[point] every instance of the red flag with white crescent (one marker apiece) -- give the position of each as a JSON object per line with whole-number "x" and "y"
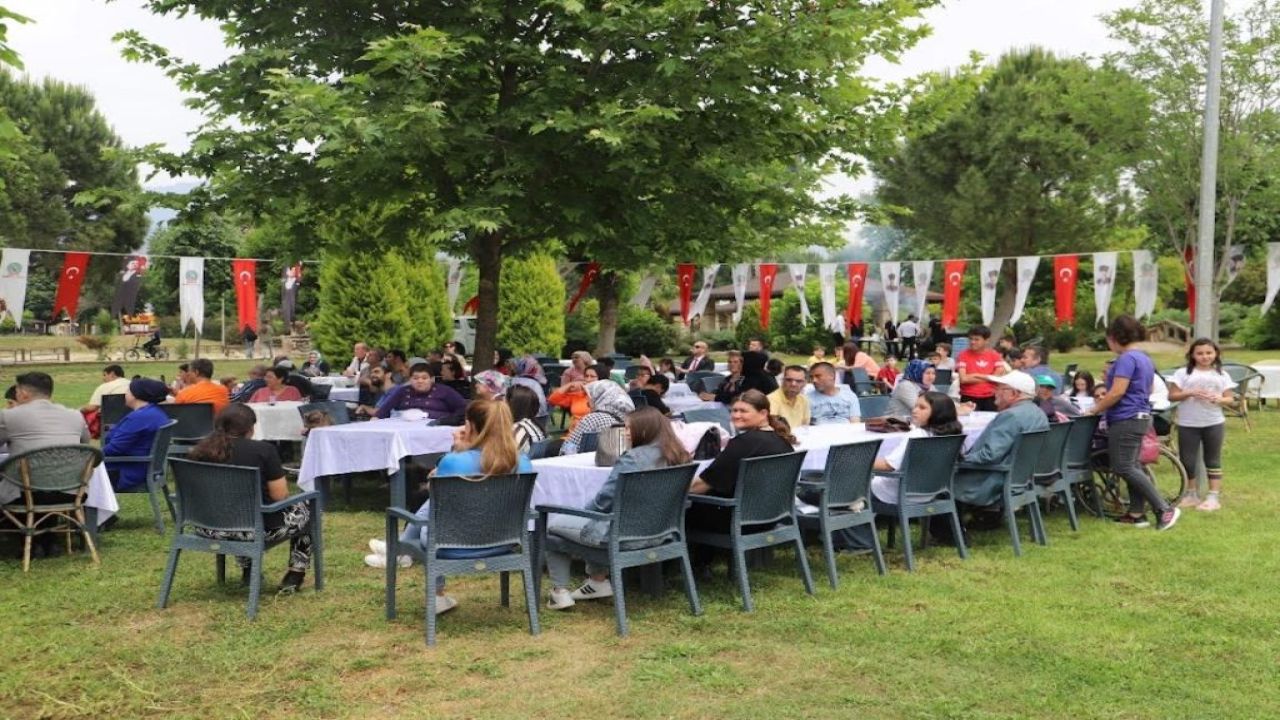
{"x": 588, "y": 277}
{"x": 245, "y": 275}
{"x": 1066, "y": 276}
{"x": 684, "y": 279}
{"x": 74, "y": 265}
{"x": 953, "y": 280}
{"x": 768, "y": 273}
{"x": 857, "y": 286}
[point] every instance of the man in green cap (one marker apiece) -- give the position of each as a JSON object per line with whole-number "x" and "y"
{"x": 1057, "y": 407}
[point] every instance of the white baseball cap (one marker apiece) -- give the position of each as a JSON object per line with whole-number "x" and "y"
{"x": 1017, "y": 380}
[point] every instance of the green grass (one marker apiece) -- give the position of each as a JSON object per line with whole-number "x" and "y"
{"x": 1108, "y": 622}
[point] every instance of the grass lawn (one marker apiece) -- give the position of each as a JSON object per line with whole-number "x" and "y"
{"x": 1108, "y": 622}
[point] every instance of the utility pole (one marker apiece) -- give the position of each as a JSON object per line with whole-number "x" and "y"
{"x": 1205, "y": 268}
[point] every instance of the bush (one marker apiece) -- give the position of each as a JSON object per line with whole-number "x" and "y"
{"x": 644, "y": 332}
{"x": 362, "y": 298}
{"x": 749, "y": 326}
{"x": 182, "y": 349}
{"x": 720, "y": 340}
{"x": 532, "y": 304}
{"x": 1260, "y": 332}
{"x": 1231, "y": 319}
{"x": 96, "y": 343}
{"x": 1040, "y": 322}
{"x": 106, "y": 324}
{"x": 424, "y": 290}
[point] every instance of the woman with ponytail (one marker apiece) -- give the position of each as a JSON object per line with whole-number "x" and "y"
{"x": 483, "y": 447}
{"x": 758, "y": 434}
{"x": 231, "y": 443}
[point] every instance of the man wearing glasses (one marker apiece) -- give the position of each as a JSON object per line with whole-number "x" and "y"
{"x": 788, "y": 401}
{"x": 699, "y": 361}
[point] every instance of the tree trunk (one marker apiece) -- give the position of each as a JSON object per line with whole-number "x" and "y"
{"x": 488, "y": 257}
{"x": 607, "y": 292}
{"x": 1005, "y": 299}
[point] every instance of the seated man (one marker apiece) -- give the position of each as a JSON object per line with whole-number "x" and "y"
{"x": 373, "y": 391}
{"x": 1017, "y": 413}
{"x": 133, "y": 436}
{"x": 653, "y": 390}
{"x": 830, "y": 403}
{"x": 113, "y": 383}
{"x": 36, "y": 422}
{"x": 1057, "y": 408}
{"x": 252, "y": 384}
{"x": 202, "y": 388}
{"x": 789, "y": 402}
{"x": 423, "y": 393}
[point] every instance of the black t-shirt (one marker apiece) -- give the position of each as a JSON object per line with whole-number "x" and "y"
{"x": 722, "y": 473}
{"x": 655, "y": 401}
{"x": 262, "y": 455}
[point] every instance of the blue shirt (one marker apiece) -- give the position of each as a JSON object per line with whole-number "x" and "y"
{"x": 831, "y": 409}
{"x": 132, "y": 437}
{"x": 1141, "y": 372}
{"x": 467, "y": 463}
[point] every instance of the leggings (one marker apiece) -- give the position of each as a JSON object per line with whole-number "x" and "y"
{"x": 1124, "y": 444}
{"x": 1191, "y": 439}
{"x": 296, "y": 525}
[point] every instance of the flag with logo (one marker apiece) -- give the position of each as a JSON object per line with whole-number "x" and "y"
{"x": 953, "y": 273}
{"x": 708, "y": 285}
{"x": 191, "y": 292}
{"x": 827, "y": 285}
{"x": 1104, "y": 282}
{"x": 768, "y": 273}
{"x": 922, "y": 276}
{"x": 798, "y": 271}
{"x": 684, "y": 280}
{"x": 989, "y": 270}
{"x": 891, "y": 286}
{"x": 1027, "y": 267}
{"x": 1146, "y": 284}
{"x": 857, "y": 286}
{"x": 14, "y": 268}
{"x": 1066, "y": 270}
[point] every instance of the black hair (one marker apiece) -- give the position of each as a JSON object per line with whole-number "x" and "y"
{"x": 459, "y": 348}
{"x": 661, "y": 381}
{"x": 36, "y": 383}
{"x": 235, "y": 421}
{"x": 773, "y": 366}
{"x": 420, "y": 368}
{"x": 1191, "y": 353}
{"x": 601, "y": 370}
{"x": 943, "y": 419}
{"x": 523, "y": 402}
{"x": 281, "y": 374}
{"x": 114, "y": 370}
{"x": 202, "y": 367}
{"x": 1126, "y": 330}
{"x": 607, "y": 362}
{"x": 1041, "y": 352}
{"x": 797, "y": 368}
{"x": 11, "y": 393}
{"x": 981, "y": 331}
{"x": 1088, "y": 382}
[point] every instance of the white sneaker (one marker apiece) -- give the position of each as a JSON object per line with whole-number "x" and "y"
{"x": 592, "y": 590}
{"x": 378, "y": 547}
{"x": 380, "y": 561}
{"x": 561, "y": 599}
{"x": 445, "y": 603}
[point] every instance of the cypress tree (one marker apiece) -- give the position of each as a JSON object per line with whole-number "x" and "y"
{"x": 362, "y": 299}
{"x": 531, "y": 306}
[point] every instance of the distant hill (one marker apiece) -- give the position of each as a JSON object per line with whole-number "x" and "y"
{"x": 164, "y": 215}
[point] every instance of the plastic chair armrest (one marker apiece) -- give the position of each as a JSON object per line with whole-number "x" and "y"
{"x": 127, "y": 459}
{"x": 985, "y": 468}
{"x": 813, "y": 484}
{"x": 565, "y": 510}
{"x": 712, "y": 500}
{"x": 402, "y": 514}
{"x": 291, "y": 500}
{"x": 889, "y": 473}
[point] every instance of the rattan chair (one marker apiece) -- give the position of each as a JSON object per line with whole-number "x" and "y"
{"x": 57, "y": 469}
{"x": 155, "y": 485}
{"x": 843, "y": 499}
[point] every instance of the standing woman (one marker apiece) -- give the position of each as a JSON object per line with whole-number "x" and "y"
{"x": 1126, "y": 406}
{"x": 1202, "y": 388}
{"x": 852, "y": 357}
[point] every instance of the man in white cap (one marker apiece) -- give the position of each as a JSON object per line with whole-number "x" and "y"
{"x": 1017, "y": 413}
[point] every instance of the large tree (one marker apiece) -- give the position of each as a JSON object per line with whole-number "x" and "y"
{"x": 8, "y": 56}
{"x": 494, "y": 125}
{"x": 1024, "y": 157}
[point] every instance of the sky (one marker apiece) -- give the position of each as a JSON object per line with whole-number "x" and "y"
{"x": 71, "y": 41}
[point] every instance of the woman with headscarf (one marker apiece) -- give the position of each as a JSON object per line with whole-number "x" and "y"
{"x": 133, "y": 435}
{"x": 529, "y": 374}
{"x": 609, "y": 406}
{"x": 315, "y": 366}
{"x": 916, "y": 380}
{"x": 489, "y": 385}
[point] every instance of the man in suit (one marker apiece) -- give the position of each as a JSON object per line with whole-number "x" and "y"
{"x": 699, "y": 361}
{"x": 36, "y": 422}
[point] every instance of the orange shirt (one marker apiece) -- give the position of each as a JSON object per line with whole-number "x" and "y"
{"x": 205, "y": 391}
{"x": 575, "y": 402}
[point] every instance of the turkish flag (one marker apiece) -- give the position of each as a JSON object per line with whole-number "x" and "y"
{"x": 768, "y": 273}
{"x": 588, "y": 277}
{"x": 1189, "y": 255}
{"x": 245, "y": 274}
{"x": 953, "y": 274}
{"x": 1066, "y": 276}
{"x": 684, "y": 278}
{"x": 74, "y": 265}
{"x": 857, "y": 286}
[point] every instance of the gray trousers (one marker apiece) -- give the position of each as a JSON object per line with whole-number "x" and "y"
{"x": 1124, "y": 444}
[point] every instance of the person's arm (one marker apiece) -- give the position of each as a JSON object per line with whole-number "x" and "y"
{"x": 1176, "y": 393}
{"x": 122, "y": 437}
{"x": 968, "y": 378}
{"x": 723, "y": 468}
{"x": 994, "y": 443}
{"x": 856, "y": 406}
{"x": 391, "y": 400}
{"x": 603, "y": 501}
{"x": 1119, "y": 386}
{"x": 453, "y": 400}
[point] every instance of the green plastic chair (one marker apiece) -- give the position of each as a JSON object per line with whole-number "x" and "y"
{"x": 155, "y": 486}
{"x": 1019, "y": 487}
{"x": 926, "y": 489}
{"x": 228, "y": 498}
{"x": 474, "y": 527}
{"x": 873, "y": 406}
{"x": 1051, "y": 475}
{"x": 843, "y": 499}
{"x": 646, "y": 527}
{"x": 764, "y": 496}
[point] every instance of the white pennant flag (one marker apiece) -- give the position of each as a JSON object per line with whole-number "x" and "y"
{"x": 741, "y": 275}
{"x": 1146, "y": 283}
{"x": 989, "y": 273}
{"x": 14, "y": 266}
{"x": 191, "y": 292}
{"x": 1235, "y": 262}
{"x": 1273, "y": 274}
{"x": 891, "y": 285}
{"x": 708, "y": 283}
{"x": 454, "y": 281}
{"x": 797, "y": 281}
{"x": 1026, "y": 273}
{"x": 922, "y": 276}
{"x": 1104, "y": 281}
{"x": 645, "y": 291}
{"x": 827, "y": 282}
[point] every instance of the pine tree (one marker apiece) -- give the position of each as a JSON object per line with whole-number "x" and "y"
{"x": 531, "y": 306}
{"x": 362, "y": 299}
{"x": 432, "y": 323}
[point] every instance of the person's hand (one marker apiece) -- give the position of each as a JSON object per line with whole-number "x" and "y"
{"x": 460, "y": 439}
{"x": 706, "y": 396}
{"x": 965, "y": 408}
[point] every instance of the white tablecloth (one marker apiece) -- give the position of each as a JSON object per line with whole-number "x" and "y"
{"x": 101, "y": 496}
{"x": 364, "y": 446}
{"x": 336, "y": 381}
{"x": 678, "y": 389}
{"x": 345, "y": 394}
{"x": 1270, "y": 371}
{"x": 278, "y": 421}
{"x": 688, "y": 402}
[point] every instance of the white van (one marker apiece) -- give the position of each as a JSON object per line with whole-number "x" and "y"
{"x": 464, "y": 331}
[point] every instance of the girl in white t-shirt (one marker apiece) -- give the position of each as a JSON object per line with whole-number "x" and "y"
{"x": 1202, "y": 388}
{"x": 934, "y": 414}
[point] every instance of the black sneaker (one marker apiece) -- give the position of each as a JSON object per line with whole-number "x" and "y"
{"x": 292, "y": 582}
{"x": 1138, "y": 522}
{"x": 1168, "y": 518}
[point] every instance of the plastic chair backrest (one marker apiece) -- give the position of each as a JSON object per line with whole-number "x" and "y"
{"x": 195, "y": 420}
{"x": 766, "y": 488}
{"x": 320, "y": 392}
{"x": 160, "y": 447}
{"x": 58, "y": 468}
{"x": 941, "y": 377}
{"x": 1050, "y": 459}
{"x": 590, "y": 442}
{"x": 638, "y": 399}
{"x": 631, "y": 371}
{"x": 695, "y": 380}
{"x": 712, "y": 383}
{"x": 1025, "y": 455}
{"x": 113, "y": 409}
{"x": 649, "y": 504}
{"x": 873, "y": 406}
{"x": 929, "y": 464}
{"x": 335, "y": 409}
{"x": 959, "y": 344}
{"x": 216, "y": 496}
{"x": 1079, "y": 447}
{"x": 848, "y": 471}
{"x": 479, "y": 512}
{"x": 718, "y": 415}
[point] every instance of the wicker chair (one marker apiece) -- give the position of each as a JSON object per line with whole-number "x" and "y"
{"x": 213, "y": 496}
{"x": 156, "y": 470}
{"x": 1019, "y": 488}
{"x": 843, "y": 499}
{"x": 57, "y": 469}
{"x": 764, "y": 496}
{"x": 928, "y": 471}
{"x": 646, "y": 527}
{"x": 1052, "y": 478}
{"x": 1248, "y": 387}
{"x": 473, "y": 527}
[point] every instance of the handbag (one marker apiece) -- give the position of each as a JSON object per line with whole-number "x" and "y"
{"x": 1150, "y": 451}
{"x": 613, "y": 442}
{"x": 887, "y": 425}
{"x": 708, "y": 447}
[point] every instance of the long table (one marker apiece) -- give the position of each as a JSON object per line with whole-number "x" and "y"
{"x": 374, "y": 445}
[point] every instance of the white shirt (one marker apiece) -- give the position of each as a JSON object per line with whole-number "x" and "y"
{"x": 356, "y": 366}
{"x": 908, "y": 329}
{"x": 886, "y": 488}
{"x": 1160, "y": 394}
{"x": 1194, "y": 412}
{"x": 110, "y": 387}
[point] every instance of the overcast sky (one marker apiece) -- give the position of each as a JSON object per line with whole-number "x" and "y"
{"x": 71, "y": 40}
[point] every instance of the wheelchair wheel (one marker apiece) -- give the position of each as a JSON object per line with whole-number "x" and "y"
{"x": 1108, "y": 494}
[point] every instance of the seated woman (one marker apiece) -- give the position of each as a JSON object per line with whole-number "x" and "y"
{"x": 524, "y": 410}
{"x": 758, "y": 434}
{"x": 133, "y": 435}
{"x": 572, "y": 396}
{"x": 231, "y": 444}
{"x": 529, "y": 373}
{"x": 731, "y": 385}
{"x": 578, "y": 364}
{"x": 489, "y": 385}
{"x": 916, "y": 380}
{"x": 453, "y": 376}
{"x": 609, "y": 406}
{"x": 934, "y": 414}
{"x": 483, "y": 447}
{"x": 653, "y": 445}
{"x": 315, "y": 366}
{"x": 276, "y": 390}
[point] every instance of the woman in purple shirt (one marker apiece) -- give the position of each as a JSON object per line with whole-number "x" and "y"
{"x": 1127, "y": 406}
{"x": 422, "y": 393}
